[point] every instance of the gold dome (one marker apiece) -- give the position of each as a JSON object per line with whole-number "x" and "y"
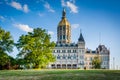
{"x": 64, "y": 30}
{"x": 63, "y": 22}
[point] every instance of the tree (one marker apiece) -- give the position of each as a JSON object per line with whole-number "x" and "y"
{"x": 4, "y": 59}
{"x": 96, "y": 63}
{"x": 35, "y": 48}
{"x": 6, "y": 45}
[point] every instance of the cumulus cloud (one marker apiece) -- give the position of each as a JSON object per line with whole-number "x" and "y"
{"x": 71, "y": 5}
{"x": 51, "y": 32}
{"x": 24, "y": 27}
{"x": 18, "y": 6}
{"x": 47, "y": 6}
{"x": 2, "y": 18}
{"x": 75, "y": 26}
{"x": 25, "y": 8}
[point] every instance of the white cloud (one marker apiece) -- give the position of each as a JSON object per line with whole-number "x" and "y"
{"x": 75, "y": 26}
{"x": 72, "y": 7}
{"x": 63, "y": 3}
{"x": 18, "y": 6}
{"x": 47, "y": 6}
{"x": 25, "y": 8}
{"x": 2, "y": 18}
{"x": 50, "y": 32}
{"x": 24, "y": 27}
{"x": 70, "y": 4}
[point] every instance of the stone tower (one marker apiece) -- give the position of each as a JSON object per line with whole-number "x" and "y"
{"x": 64, "y": 30}
{"x": 81, "y": 51}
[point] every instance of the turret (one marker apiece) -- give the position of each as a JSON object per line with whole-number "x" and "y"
{"x": 81, "y": 41}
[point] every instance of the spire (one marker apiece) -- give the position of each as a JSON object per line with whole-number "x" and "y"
{"x": 81, "y": 39}
{"x": 63, "y": 13}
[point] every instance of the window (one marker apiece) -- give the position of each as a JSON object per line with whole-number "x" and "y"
{"x": 58, "y": 51}
{"x": 60, "y": 36}
{"x": 82, "y": 51}
{"x": 81, "y": 62}
{"x": 74, "y": 57}
{"x": 64, "y": 57}
{"x": 58, "y": 57}
{"x": 69, "y": 57}
{"x": 60, "y": 28}
{"x": 63, "y": 27}
{"x": 90, "y": 63}
{"x": 106, "y": 58}
{"x": 63, "y": 36}
{"x": 69, "y": 51}
{"x": 74, "y": 51}
{"x": 81, "y": 57}
{"x": 90, "y": 58}
{"x": 63, "y": 51}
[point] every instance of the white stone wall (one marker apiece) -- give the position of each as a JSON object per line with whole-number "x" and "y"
{"x": 78, "y": 57}
{"x": 67, "y": 55}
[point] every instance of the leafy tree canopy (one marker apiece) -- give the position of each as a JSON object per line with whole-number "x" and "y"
{"x": 35, "y": 48}
{"x": 6, "y": 45}
{"x": 6, "y": 41}
{"x": 96, "y": 62}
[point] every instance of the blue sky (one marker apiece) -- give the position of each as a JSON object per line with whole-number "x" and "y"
{"x": 94, "y": 17}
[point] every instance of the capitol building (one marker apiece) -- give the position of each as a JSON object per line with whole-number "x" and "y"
{"x": 75, "y": 55}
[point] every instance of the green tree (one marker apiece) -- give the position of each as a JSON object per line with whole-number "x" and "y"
{"x": 96, "y": 63}
{"x": 4, "y": 59}
{"x": 6, "y": 46}
{"x": 35, "y": 48}
{"x": 12, "y": 61}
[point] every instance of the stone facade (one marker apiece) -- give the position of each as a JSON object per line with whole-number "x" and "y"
{"x": 102, "y": 52}
{"x": 74, "y": 55}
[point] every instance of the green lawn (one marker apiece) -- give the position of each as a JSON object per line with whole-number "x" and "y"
{"x": 59, "y": 74}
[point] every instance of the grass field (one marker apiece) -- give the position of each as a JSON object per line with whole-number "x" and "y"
{"x": 59, "y": 74}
